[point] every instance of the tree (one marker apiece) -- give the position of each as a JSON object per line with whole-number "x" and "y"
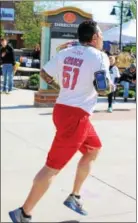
{"x": 29, "y": 17}
{"x": 129, "y": 5}
{"x": 40, "y": 6}
{"x": 2, "y": 34}
{"x": 133, "y": 7}
{"x": 28, "y": 22}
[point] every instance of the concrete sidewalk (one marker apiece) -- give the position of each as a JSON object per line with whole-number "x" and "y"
{"x": 109, "y": 192}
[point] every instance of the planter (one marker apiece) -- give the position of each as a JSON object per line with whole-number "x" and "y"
{"x": 33, "y": 87}
{"x": 33, "y": 82}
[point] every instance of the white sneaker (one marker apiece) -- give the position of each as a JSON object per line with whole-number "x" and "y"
{"x": 7, "y": 92}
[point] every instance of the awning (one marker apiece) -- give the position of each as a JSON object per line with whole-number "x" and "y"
{"x": 13, "y": 32}
{"x": 128, "y": 33}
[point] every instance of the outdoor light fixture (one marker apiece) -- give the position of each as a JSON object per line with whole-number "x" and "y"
{"x": 113, "y": 12}
{"x": 129, "y": 14}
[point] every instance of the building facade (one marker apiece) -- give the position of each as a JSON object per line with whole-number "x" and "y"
{"x": 7, "y": 17}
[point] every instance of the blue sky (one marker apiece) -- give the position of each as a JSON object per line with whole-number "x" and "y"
{"x": 100, "y": 9}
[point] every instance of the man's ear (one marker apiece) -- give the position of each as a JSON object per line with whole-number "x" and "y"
{"x": 94, "y": 38}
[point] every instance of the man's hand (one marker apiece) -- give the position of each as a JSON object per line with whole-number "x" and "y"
{"x": 14, "y": 68}
{"x": 49, "y": 80}
{"x": 134, "y": 81}
{"x": 3, "y": 54}
{"x": 111, "y": 87}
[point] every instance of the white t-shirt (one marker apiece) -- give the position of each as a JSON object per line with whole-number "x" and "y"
{"x": 114, "y": 73}
{"x": 74, "y": 70}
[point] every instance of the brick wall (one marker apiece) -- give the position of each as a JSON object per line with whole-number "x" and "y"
{"x": 45, "y": 99}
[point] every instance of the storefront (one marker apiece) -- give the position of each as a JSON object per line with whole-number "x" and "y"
{"x": 7, "y": 17}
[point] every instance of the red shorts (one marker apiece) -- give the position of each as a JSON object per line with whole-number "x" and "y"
{"x": 74, "y": 132}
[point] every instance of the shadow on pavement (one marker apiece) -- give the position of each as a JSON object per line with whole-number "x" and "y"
{"x": 117, "y": 100}
{"x": 105, "y": 111}
{"x": 49, "y": 113}
{"x": 123, "y": 109}
{"x": 72, "y": 221}
{"x": 17, "y": 107}
{"x": 97, "y": 111}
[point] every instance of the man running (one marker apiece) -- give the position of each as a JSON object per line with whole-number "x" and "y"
{"x": 74, "y": 69}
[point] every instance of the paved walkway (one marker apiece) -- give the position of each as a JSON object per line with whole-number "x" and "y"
{"x": 109, "y": 192}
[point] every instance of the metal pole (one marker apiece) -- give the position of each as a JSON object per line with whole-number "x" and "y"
{"x": 121, "y": 21}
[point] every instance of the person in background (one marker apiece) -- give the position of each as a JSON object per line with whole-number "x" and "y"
{"x": 36, "y": 57}
{"x": 7, "y": 58}
{"x": 114, "y": 72}
{"x": 128, "y": 78}
{"x": 0, "y": 61}
{"x": 36, "y": 52}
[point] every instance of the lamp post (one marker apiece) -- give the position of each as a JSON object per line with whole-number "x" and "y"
{"x": 63, "y": 2}
{"x": 129, "y": 14}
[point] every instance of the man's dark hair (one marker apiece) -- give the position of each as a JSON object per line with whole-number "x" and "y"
{"x": 86, "y": 30}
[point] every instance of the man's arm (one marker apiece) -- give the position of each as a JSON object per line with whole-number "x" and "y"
{"x": 49, "y": 80}
{"x": 12, "y": 53}
{"x": 0, "y": 55}
{"x": 105, "y": 66}
{"x": 116, "y": 71}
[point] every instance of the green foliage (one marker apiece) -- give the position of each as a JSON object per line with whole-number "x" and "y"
{"x": 131, "y": 93}
{"x": 130, "y": 48}
{"x": 133, "y": 7}
{"x": 40, "y": 6}
{"x": 133, "y": 49}
{"x": 35, "y": 76}
{"x": 130, "y": 4}
{"x": 29, "y": 22}
{"x": 34, "y": 80}
{"x": 2, "y": 34}
{"x": 120, "y": 93}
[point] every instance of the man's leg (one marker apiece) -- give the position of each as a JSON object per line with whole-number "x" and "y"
{"x": 70, "y": 136}
{"x": 114, "y": 95}
{"x": 89, "y": 149}
{"x": 10, "y": 77}
{"x": 5, "y": 78}
{"x": 110, "y": 98}
{"x": 126, "y": 91}
{"x": 41, "y": 184}
{"x": 83, "y": 169}
{"x": 55, "y": 162}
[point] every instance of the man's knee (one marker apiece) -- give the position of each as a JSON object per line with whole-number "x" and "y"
{"x": 93, "y": 153}
{"x": 90, "y": 156}
{"x": 45, "y": 172}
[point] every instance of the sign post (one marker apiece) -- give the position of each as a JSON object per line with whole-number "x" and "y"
{"x": 59, "y": 27}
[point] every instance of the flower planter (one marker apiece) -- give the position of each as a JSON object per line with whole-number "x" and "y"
{"x": 31, "y": 87}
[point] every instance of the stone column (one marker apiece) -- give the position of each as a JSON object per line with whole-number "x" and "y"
{"x": 45, "y": 97}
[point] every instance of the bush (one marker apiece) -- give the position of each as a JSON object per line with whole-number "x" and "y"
{"x": 34, "y": 80}
{"x": 120, "y": 93}
{"x": 131, "y": 93}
